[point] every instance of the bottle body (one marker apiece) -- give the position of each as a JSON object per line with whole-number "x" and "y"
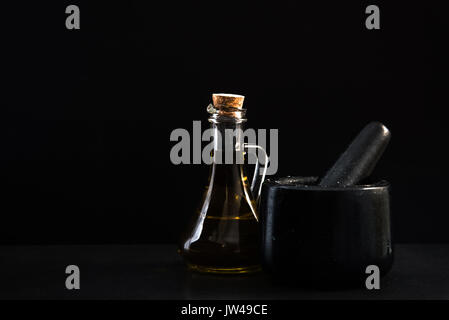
{"x": 223, "y": 235}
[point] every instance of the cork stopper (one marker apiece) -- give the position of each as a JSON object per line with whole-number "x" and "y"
{"x": 228, "y": 100}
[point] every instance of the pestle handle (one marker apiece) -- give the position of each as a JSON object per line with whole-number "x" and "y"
{"x": 360, "y": 158}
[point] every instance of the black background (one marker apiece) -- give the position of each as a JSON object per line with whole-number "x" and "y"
{"x": 86, "y": 115}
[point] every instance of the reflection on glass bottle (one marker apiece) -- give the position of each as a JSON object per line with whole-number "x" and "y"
{"x": 223, "y": 234}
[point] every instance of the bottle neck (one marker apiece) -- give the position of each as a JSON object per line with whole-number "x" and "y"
{"x": 227, "y": 169}
{"x": 228, "y": 141}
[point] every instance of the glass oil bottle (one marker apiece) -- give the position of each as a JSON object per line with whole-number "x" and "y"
{"x": 223, "y": 236}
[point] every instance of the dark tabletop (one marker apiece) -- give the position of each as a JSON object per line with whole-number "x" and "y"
{"x": 157, "y": 272}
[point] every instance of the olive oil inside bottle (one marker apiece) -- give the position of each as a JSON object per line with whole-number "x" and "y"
{"x": 223, "y": 235}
